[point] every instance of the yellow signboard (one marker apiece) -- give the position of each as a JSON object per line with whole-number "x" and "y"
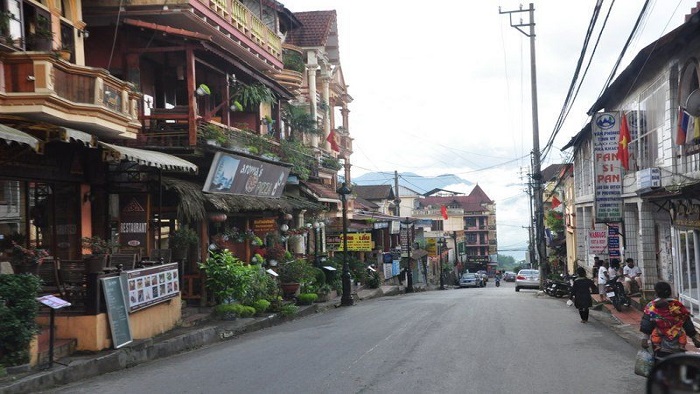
{"x": 431, "y": 246}
{"x": 357, "y": 242}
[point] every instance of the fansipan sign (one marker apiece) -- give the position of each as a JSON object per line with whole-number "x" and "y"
{"x": 233, "y": 174}
{"x": 607, "y": 174}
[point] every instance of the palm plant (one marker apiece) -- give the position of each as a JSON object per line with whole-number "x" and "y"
{"x": 251, "y": 96}
{"x": 299, "y": 121}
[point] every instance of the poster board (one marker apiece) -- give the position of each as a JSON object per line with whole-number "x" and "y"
{"x": 117, "y": 311}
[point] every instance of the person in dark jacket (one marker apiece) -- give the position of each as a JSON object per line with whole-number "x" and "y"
{"x": 666, "y": 324}
{"x": 581, "y": 293}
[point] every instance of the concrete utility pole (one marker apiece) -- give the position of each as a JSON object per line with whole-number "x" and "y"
{"x": 536, "y": 170}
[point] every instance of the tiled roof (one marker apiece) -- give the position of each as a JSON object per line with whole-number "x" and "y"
{"x": 552, "y": 171}
{"x": 322, "y": 191}
{"x": 361, "y": 203}
{"x": 316, "y": 26}
{"x": 374, "y": 192}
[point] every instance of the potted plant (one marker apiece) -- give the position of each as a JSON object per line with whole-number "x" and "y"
{"x": 26, "y": 260}
{"x": 213, "y": 134}
{"x": 100, "y": 248}
{"x": 291, "y": 274}
{"x": 42, "y": 37}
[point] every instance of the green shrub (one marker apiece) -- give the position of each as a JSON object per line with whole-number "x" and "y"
{"x": 289, "y": 310}
{"x": 228, "y": 279}
{"x": 373, "y": 280}
{"x": 234, "y": 309}
{"x": 307, "y": 298}
{"x": 18, "y": 310}
{"x": 261, "y": 305}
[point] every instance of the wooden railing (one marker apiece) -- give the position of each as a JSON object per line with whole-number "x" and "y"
{"x": 34, "y": 75}
{"x": 235, "y": 13}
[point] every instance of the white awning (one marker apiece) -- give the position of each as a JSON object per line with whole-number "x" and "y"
{"x": 68, "y": 134}
{"x": 147, "y": 158}
{"x": 10, "y": 134}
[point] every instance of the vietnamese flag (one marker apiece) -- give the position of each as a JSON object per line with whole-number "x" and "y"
{"x": 443, "y": 211}
{"x": 332, "y": 139}
{"x": 623, "y": 152}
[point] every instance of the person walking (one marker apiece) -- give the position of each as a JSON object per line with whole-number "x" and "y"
{"x": 581, "y": 293}
{"x": 666, "y": 324}
{"x": 602, "y": 279}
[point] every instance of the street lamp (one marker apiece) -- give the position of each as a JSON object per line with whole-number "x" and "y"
{"x": 318, "y": 227}
{"x": 346, "y": 299}
{"x": 441, "y": 247}
{"x": 409, "y": 271}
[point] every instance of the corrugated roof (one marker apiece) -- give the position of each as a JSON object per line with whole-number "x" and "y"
{"x": 316, "y": 27}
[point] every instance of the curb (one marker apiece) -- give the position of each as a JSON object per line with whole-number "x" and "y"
{"x": 79, "y": 367}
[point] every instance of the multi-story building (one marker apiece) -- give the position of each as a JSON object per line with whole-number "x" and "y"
{"x": 652, "y": 201}
{"x": 128, "y": 121}
{"x": 467, "y": 222}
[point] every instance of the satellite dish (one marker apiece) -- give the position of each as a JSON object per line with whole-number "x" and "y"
{"x": 692, "y": 104}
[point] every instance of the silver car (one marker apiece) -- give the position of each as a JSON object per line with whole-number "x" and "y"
{"x": 470, "y": 280}
{"x": 527, "y": 279}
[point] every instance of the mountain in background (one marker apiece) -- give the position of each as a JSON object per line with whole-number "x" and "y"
{"x": 420, "y": 184}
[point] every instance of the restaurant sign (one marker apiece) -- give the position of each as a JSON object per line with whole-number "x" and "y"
{"x": 133, "y": 219}
{"x": 231, "y": 174}
{"x": 153, "y": 285}
{"x": 357, "y": 242}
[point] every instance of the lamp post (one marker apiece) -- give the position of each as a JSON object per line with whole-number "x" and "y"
{"x": 409, "y": 271}
{"x": 441, "y": 247}
{"x": 316, "y": 227}
{"x": 346, "y": 299}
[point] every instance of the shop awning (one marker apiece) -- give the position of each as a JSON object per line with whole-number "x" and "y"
{"x": 68, "y": 135}
{"x": 147, "y": 158}
{"x": 10, "y": 135}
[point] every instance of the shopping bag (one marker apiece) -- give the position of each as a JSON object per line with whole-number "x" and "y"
{"x": 643, "y": 362}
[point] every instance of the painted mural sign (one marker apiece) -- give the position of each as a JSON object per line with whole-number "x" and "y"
{"x": 233, "y": 174}
{"x": 607, "y": 174}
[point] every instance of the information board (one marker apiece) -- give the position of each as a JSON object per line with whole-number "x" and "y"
{"x": 117, "y": 311}
{"x": 152, "y": 285}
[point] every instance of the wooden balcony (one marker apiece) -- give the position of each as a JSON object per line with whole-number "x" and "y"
{"x": 41, "y": 87}
{"x": 229, "y": 22}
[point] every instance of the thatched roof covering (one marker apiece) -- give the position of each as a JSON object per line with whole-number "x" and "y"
{"x": 194, "y": 203}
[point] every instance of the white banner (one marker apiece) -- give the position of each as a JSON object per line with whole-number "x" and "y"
{"x": 607, "y": 175}
{"x": 597, "y": 241}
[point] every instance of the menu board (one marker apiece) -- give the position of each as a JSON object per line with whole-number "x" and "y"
{"x": 152, "y": 285}
{"x": 116, "y": 311}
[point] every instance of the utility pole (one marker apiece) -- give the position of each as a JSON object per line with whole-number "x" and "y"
{"x": 536, "y": 165}
{"x": 397, "y": 198}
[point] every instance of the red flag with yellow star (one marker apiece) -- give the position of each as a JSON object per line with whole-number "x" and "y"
{"x": 623, "y": 152}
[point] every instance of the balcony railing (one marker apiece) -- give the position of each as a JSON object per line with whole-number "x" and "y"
{"x": 239, "y": 16}
{"x": 34, "y": 78}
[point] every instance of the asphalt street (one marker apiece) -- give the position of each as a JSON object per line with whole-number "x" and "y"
{"x": 487, "y": 340}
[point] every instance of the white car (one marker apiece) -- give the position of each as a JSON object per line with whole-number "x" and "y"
{"x": 527, "y": 279}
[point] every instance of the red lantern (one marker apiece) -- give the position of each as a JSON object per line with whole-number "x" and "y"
{"x": 217, "y": 217}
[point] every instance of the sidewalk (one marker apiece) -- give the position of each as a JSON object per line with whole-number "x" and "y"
{"x": 199, "y": 332}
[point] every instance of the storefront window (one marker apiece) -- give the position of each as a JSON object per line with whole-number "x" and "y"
{"x": 688, "y": 270}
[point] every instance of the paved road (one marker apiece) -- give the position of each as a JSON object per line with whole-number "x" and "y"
{"x": 489, "y": 340}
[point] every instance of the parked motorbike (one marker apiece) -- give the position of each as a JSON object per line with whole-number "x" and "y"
{"x": 615, "y": 292}
{"x": 558, "y": 288}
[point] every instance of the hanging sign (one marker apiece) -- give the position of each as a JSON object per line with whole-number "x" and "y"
{"x": 233, "y": 174}
{"x": 607, "y": 174}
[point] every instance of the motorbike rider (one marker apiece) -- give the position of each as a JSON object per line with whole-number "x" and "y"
{"x": 497, "y": 278}
{"x": 666, "y": 324}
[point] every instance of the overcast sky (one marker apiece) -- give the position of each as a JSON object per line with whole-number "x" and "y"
{"x": 444, "y": 86}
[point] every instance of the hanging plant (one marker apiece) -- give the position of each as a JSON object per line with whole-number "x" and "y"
{"x": 203, "y": 90}
{"x": 236, "y": 106}
{"x": 251, "y": 96}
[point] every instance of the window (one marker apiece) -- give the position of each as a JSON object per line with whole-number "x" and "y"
{"x": 688, "y": 269}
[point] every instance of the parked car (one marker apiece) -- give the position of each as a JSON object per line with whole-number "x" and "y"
{"x": 509, "y": 276}
{"x": 470, "y": 280}
{"x": 484, "y": 275}
{"x": 527, "y": 279}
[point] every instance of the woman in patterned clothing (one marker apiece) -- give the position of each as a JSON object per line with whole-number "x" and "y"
{"x": 666, "y": 324}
